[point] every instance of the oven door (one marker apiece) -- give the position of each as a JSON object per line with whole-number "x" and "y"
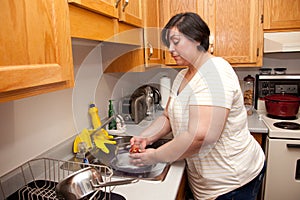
{"x": 282, "y": 179}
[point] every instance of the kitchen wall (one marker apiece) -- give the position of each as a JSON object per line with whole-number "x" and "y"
{"x": 31, "y": 126}
{"x": 272, "y": 60}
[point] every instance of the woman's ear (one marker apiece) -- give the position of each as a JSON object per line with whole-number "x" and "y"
{"x": 200, "y": 47}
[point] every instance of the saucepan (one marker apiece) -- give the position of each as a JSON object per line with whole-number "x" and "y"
{"x": 83, "y": 183}
{"x": 282, "y": 105}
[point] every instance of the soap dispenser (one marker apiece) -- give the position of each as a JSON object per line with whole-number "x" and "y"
{"x": 113, "y": 124}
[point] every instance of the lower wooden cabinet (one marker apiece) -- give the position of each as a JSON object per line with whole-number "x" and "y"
{"x": 183, "y": 187}
{"x": 260, "y": 138}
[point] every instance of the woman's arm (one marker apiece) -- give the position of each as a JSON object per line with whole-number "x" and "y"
{"x": 206, "y": 124}
{"x": 158, "y": 128}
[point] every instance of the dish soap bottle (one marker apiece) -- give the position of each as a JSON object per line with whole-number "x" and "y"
{"x": 93, "y": 111}
{"x": 113, "y": 124}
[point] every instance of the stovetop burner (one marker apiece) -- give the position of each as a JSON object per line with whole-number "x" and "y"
{"x": 283, "y": 118}
{"x": 287, "y": 125}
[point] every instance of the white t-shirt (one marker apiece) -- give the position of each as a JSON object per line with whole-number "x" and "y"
{"x": 236, "y": 158}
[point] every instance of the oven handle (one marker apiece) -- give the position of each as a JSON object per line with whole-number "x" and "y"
{"x": 297, "y": 146}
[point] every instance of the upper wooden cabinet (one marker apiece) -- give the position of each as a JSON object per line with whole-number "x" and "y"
{"x": 280, "y": 15}
{"x": 123, "y": 10}
{"x": 152, "y": 30}
{"x": 131, "y": 12}
{"x": 169, "y": 8}
{"x": 105, "y": 7}
{"x": 35, "y": 52}
{"x": 236, "y": 28}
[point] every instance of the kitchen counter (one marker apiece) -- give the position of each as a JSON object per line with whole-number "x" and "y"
{"x": 145, "y": 189}
{"x": 255, "y": 123}
{"x": 149, "y": 190}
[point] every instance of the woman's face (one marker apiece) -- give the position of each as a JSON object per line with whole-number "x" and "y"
{"x": 183, "y": 50}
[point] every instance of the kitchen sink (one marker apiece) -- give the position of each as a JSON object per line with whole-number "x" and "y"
{"x": 95, "y": 156}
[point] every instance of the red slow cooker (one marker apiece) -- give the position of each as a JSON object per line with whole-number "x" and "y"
{"x": 282, "y": 105}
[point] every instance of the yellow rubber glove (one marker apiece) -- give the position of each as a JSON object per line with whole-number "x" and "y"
{"x": 101, "y": 138}
{"x": 84, "y": 136}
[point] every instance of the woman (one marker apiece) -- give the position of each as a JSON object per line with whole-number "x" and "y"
{"x": 207, "y": 117}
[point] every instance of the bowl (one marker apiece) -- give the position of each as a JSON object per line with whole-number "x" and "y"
{"x": 280, "y": 70}
{"x": 265, "y": 71}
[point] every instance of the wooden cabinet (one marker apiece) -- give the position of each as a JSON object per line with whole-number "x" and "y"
{"x": 170, "y": 8}
{"x": 105, "y": 7}
{"x": 116, "y": 21}
{"x": 131, "y": 12}
{"x": 260, "y": 138}
{"x": 124, "y": 10}
{"x": 152, "y": 31}
{"x": 236, "y": 28}
{"x": 35, "y": 52}
{"x": 281, "y": 15}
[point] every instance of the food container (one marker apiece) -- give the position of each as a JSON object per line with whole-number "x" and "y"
{"x": 282, "y": 105}
{"x": 280, "y": 70}
{"x": 265, "y": 71}
{"x": 249, "y": 93}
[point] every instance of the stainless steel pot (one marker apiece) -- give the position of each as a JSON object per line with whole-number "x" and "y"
{"x": 84, "y": 182}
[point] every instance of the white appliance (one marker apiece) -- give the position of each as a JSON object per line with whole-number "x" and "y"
{"x": 282, "y": 178}
{"x": 282, "y": 42}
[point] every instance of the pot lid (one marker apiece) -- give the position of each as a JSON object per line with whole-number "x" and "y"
{"x": 249, "y": 78}
{"x": 282, "y": 97}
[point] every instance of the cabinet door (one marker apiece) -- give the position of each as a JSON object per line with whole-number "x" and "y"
{"x": 131, "y": 12}
{"x": 105, "y": 7}
{"x": 171, "y": 7}
{"x": 237, "y": 30}
{"x": 152, "y": 30}
{"x": 35, "y": 52}
{"x": 281, "y": 14}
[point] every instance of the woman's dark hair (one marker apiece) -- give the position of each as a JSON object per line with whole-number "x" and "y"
{"x": 191, "y": 25}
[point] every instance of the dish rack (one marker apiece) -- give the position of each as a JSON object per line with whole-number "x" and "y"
{"x": 38, "y": 178}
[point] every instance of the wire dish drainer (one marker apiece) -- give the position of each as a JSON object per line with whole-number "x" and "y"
{"x": 38, "y": 178}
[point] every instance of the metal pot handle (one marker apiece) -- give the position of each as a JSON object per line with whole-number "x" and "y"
{"x": 113, "y": 183}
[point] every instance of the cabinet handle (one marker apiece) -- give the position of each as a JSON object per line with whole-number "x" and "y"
{"x": 150, "y": 51}
{"x": 211, "y": 43}
{"x": 297, "y": 146}
{"x": 117, "y": 3}
{"x": 125, "y": 4}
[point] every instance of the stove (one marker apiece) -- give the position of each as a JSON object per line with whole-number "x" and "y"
{"x": 282, "y": 148}
{"x": 281, "y": 128}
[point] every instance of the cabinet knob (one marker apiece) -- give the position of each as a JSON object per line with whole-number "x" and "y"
{"x": 117, "y": 3}
{"x": 125, "y": 4}
{"x": 150, "y": 50}
{"x": 211, "y": 43}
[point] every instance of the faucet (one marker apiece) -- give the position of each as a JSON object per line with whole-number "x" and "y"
{"x": 107, "y": 121}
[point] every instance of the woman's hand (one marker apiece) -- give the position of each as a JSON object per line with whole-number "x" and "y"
{"x": 145, "y": 157}
{"x": 138, "y": 143}
{"x": 140, "y": 156}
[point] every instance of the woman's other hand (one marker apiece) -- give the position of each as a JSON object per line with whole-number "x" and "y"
{"x": 145, "y": 157}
